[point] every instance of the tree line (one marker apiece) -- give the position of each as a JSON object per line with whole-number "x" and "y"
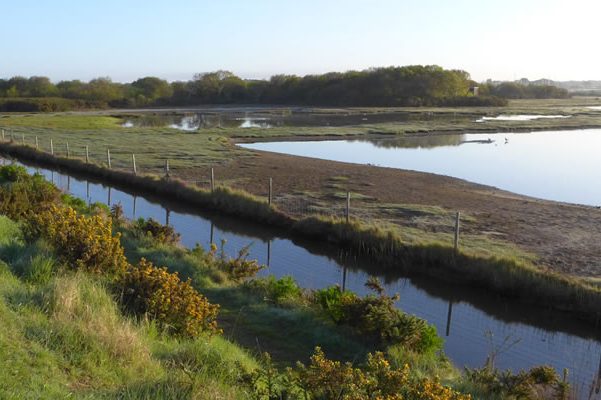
{"x": 391, "y": 86}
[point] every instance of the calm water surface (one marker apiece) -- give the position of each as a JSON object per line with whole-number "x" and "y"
{"x": 462, "y": 316}
{"x": 560, "y": 165}
{"x": 521, "y": 117}
{"x": 273, "y": 118}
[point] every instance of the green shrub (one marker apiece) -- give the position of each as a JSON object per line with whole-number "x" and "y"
{"x": 13, "y": 173}
{"x": 541, "y": 382}
{"x": 275, "y": 290}
{"x": 176, "y": 305}
{"x": 324, "y": 378}
{"x": 21, "y": 194}
{"x": 238, "y": 268}
{"x": 151, "y": 227}
{"x": 377, "y": 318}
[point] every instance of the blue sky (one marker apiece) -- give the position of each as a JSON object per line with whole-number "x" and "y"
{"x": 66, "y": 39}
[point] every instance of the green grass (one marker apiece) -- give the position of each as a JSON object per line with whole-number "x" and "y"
{"x": 57, "y": 121}
{"x": 211, "y": 147}
{"x": 67, "y": 338}
{"x": 288, "y": 334}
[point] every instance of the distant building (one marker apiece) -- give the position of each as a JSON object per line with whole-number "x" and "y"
{"x": 474, "y": 90}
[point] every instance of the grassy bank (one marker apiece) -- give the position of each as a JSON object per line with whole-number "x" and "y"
{"x": 505, "y": 275}
{"x": 67, "y": 332}
{"x": 63, "y": 335}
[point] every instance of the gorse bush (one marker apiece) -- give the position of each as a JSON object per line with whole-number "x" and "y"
{"x": 325, "y": 379}
{"x": 87, "y": 243}
{"x": 176, "y": 305}
{"x": 13, "y": 173}
{"x": 541, "y": 382}
{"x": 159, "y": 232}
{"x": 377, "y": 318}
{"x": 81, "y": 242}
{"x": 21, "y": 194}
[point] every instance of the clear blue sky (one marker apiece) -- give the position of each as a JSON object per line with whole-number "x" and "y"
{"x": 127, "y": 39}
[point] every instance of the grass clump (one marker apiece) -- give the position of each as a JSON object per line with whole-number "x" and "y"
{"x": 277, "y": 291}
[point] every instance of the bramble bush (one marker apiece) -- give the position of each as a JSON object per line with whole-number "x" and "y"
{"x": 377, "y": 318}
{"x": 176, "y": 305}
{"x": 81, "y": 242}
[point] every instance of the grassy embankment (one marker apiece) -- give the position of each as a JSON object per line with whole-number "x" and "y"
{"x": 483, "y": 261}
{"x": 65, "y": 334}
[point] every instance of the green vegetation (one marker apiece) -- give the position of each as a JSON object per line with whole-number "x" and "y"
{"x": 45, "y": 104}
{"x": 414, "y": 85}
{"x": 479, "y": 264}
{"x": 66, "y": 332}
{"x": 70, "y": 122}
{"x": 514, "y": 90}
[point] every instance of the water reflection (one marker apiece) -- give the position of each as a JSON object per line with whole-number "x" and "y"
{"x": 417, "y": 142}
{"x": 521, "y": 117}
{"x": 462, "y": 316}
{"x": 273, "y": 118}
{"x": 558, "y": 165}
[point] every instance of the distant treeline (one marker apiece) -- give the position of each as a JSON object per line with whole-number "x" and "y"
{"x": 393, "y": 86}
{"x": 514, "y": 90}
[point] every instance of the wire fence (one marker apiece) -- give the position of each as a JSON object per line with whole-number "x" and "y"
{"x": 344, "y": 206}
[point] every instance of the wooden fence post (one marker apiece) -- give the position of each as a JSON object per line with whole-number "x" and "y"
{"x": 2, "y": 134}
{"x": 348, "y": 207}
{"x": 67, "y": 149}
{"x": 23, "y": 139}
{"x": 456, "y": 241}
{"x": 108, "y": 157}
{"x": 133, "y": 160}
{"x": 270, "y": 191}
{"x": 12, "y": 136}
{"x": 51, "y": 147}
{"x": 87, "y": 155}
{"x": 212, "y": 179}
{"x": 167, "y": 169}
{"x": 37, "y": 145}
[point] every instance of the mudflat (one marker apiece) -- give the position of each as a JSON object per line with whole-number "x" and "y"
{"x": 564, "y": 237}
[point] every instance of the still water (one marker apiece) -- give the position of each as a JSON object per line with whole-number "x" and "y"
{"x": 521, "y": 117}
{"x": 462, "y": 316}
{"x": 559, "y": 165}
{"x": 272, "y": 118}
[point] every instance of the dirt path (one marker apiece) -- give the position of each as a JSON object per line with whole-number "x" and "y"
{"x": 566, "y": 237}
